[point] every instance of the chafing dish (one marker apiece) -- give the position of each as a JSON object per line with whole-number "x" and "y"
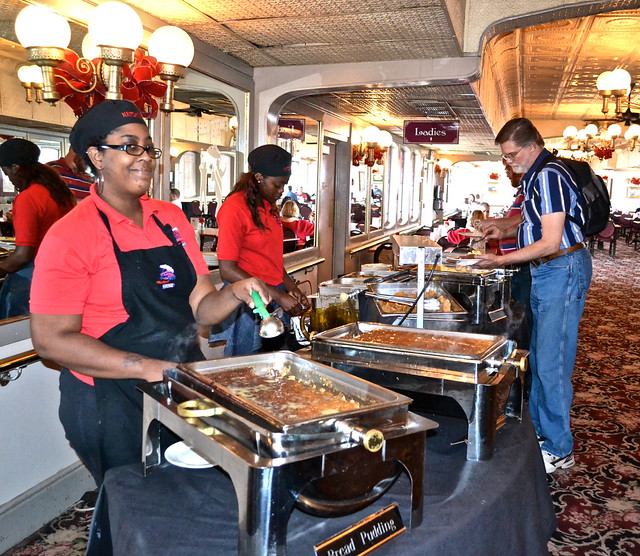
{"x": 483, "y": 373}
{"x": 394, "y": 300}
{"x": 483, "y": 293}
{"x": 280, "y": 454}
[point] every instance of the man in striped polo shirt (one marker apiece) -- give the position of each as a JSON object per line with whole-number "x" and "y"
{"x": 72, "y": 171}
{"x": 560, "y": 273}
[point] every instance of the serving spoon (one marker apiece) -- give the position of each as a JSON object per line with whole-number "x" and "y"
{"x": 270, "y": 327}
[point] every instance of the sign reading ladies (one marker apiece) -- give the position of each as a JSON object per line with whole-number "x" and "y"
{"x": 416, "y": 131}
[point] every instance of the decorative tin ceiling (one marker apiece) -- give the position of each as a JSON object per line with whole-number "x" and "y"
{"x": 545, "y": 72}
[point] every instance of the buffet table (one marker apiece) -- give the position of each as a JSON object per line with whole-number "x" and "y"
{"x": 498, "y": 506}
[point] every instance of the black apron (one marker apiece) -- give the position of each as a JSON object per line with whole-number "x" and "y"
{"x": 156, "y": 285}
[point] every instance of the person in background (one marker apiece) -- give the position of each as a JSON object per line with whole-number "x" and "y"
{"x": 291, "y": 219}
{"x": 560, "y": 277}
{"x": 302, "y": 196}
{"x": 521, "y": 279}
{"x": 73, "y": 172}
{"x": 119, "y": 290}
{"x": 289, "y": 194}
{"x": 456, "y": 237}
{"x": 250, "y": 240}
{"x": 42, "y": 199}
{"x": 486, "y": 209}
{"x": 174, "y": 197}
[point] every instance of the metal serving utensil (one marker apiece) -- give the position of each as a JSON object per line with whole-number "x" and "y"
{"x": 346, "y": 298}
{"x": 270, "y": 327}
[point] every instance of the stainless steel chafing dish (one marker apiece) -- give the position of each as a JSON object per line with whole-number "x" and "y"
{"x": 394, "y": 300}
{"x": 280, "y": 454}
{"x": 483, "y": 293}
{"x": 483, "y": 373}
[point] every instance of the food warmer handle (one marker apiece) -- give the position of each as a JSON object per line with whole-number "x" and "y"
{"x": 371, "y": 439}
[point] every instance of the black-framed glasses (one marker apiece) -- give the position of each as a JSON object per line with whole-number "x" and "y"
{"x": 510, "y": 156}
{"x": 135, "y": 150}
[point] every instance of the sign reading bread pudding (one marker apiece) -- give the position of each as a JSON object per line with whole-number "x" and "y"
{"x": 364, "y": 536}
{"x": 421, "y": 131}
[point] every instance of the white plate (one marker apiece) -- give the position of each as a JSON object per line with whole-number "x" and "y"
{"x": 457, "y": 256}
{"x": 474, "y": 235}
{"x": 181, "y": 455}
{"x": 467, "y": 262}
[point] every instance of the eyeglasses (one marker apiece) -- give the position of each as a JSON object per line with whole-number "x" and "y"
{"x": 135, "y": 150}
{"x": 510, "y": 156}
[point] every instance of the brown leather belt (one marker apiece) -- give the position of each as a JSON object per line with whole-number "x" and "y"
{"x": 542, "y": 260}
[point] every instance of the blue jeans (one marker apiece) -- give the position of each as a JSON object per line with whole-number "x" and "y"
{"x": 558, "y": 294}
{"x": 240, "y": 329}
{"x": 14, "y": 296}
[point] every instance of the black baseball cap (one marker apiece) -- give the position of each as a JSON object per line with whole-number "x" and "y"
{"x": 270, "y": 160}
{"x": 101, "y": 120}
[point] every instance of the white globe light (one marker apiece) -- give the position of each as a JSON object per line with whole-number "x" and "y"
{"x": 385, "y": 138}
{"x": 582, "y": 135}
{"x": 591, "y": 130}
{"x": 614, "y": 130}
{"x": 620, "y": 80}
{"x": 171, "y": 45}
{"x": 370, "y": 134}
{"x": 115, "y": 24}
{"x": 30, "y": 74}
{"x": 603, "y": 83}
{"x": 444, "y": 163}
{"x": 633, "y": 132}
{"x": 38, "y": 26}
{"x": 89, "y": 49}
{"x": 570, "y": 132}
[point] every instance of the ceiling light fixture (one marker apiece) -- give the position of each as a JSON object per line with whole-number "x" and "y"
{"x": 371, "y": 147}
{"x": 112, "y": 66}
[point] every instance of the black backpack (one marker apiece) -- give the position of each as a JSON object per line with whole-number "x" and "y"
{"x": 594, "y": 197}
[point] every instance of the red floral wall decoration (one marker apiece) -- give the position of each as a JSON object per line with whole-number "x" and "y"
{"x": 138, "y": 83}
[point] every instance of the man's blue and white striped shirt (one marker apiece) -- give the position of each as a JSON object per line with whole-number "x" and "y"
{"x": 553, "y": 190}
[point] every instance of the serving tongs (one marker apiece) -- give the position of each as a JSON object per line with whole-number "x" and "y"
{"x": 348, "y": 299}
{"x": 390, "y": 278}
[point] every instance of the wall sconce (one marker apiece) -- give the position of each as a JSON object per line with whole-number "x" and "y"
{"x": 112, "y": 66}
{"x": 371, "y": 147}
{"x": 31, "y": 79}
{"x": 442, "y": 167}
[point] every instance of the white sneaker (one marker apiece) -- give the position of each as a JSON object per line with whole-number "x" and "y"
{"x": 553, "y": 463}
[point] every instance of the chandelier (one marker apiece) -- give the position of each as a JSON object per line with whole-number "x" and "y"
{"x": 112, "y": 66}
{"x": 371, "y": 147}
{"x": 601, "y": 143}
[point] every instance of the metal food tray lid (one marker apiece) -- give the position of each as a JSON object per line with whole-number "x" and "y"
{"x": 389, "y": 292}
{"x": 265, "y": 392}
{"x": 401, "y": 339}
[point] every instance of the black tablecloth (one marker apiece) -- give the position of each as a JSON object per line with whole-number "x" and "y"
{"x": 498, "y": 506}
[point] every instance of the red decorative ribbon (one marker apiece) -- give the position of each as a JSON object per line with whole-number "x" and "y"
{"x": 138, "y": 84}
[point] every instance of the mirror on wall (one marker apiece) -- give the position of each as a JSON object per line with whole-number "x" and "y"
{"x": 203, "y": 153}
{"x": 299, "y": 135}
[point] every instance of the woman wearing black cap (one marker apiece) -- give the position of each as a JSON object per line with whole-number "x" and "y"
{"x": 120, "y": 289}
{"x": 250, "y": 241}
{"x": 43, "y": 198}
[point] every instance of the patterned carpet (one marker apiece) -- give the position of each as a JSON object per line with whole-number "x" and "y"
{"x": 598, "y": 500}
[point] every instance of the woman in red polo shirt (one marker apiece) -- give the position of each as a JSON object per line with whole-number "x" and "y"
{"x": 119, "y": 290}
{"x": 250, "y": 240}
{"x": 43, "y": 198}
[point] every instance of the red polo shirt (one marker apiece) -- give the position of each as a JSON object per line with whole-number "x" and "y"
{"x": 258, "y": 252}
{"x": 34, "y": 212}
{"x": 76, "y": 272}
